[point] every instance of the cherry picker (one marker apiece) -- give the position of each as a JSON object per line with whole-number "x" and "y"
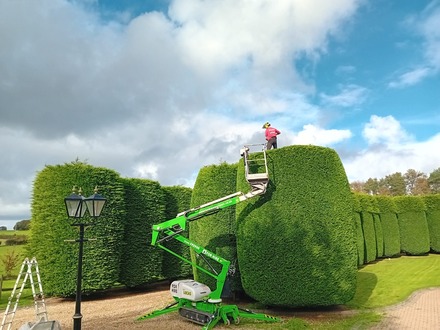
{"x": 193, "y": 300}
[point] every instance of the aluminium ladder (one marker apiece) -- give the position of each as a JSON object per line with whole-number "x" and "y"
{"x": 39, "y": 304}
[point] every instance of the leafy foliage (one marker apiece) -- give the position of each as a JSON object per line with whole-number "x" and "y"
{"x": 379, "y": 235}
{"x": 390, "y": 226}
{"x": 367, "y": 210}
{"x": 434, "y": 180}
{"x": 296, "y": 243}
{"x": 178, "y": 199}
{"x": 22, "y": 225}
{"x": 432, "y": 203}
{"x": 414, "y": 233}
{"x": 58, "y": 259}
{"x": 360, "y": 245}
{"x": 10, "y": 261}
{"x": 216, "y": 232}
{"x": 145, "y": 206}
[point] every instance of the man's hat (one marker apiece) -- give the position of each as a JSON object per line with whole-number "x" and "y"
{"x": 266, "y": 124}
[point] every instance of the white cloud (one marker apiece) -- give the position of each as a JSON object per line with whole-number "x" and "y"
{"x": 318, "y": 136}
{"x": 386, "y": 130}
{"x": 350, "y": 95}
{"x": 430, "y": 29}
{"x": 391, "y": 149}
{"x": 427, "y": 25}
{"x": 379, "y": 162}
{"x": 410, "y": 78}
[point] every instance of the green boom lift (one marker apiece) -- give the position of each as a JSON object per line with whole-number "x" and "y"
{"x": 195, "y": 301}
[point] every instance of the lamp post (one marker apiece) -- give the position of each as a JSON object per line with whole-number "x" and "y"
{"x": 76, "y": 206}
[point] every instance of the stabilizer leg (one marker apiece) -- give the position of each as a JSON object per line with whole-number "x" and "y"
{"x": 257, "y": 316}
{"x": 169, "y": 309}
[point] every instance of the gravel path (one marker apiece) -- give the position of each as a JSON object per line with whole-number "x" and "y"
{"x": 120, "y": 311}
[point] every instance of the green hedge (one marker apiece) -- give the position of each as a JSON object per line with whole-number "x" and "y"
{"x": 414, "y": 232}
{"x": 50, "y": 228}
{"x": 145, "y": 206}
{"x": 368, "y": 208}
{"x": 379, "y": 236}
{"x": 390, "y": 226}
{"x": 432, "y": 203}
{"x": 215, "y": 232}
{"x": 178, "y": 199}
{"x": 296, "y": 243}
{"x": 360, "y": 245}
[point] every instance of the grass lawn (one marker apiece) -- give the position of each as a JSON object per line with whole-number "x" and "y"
{"x": 390, "y": 281}
{"x": 379, "y": 284}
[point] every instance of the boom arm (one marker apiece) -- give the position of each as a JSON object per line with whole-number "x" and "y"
{"x": 172, "y": 229}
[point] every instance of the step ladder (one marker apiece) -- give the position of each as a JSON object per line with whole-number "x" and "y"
{"x": 29, "y": 268}
{"x": 256, "y": 171}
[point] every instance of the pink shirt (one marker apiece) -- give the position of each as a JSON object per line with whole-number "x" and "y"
{"x": 271, "y": 132}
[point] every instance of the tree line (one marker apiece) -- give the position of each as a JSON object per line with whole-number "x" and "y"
{"x": 412, "y": 183}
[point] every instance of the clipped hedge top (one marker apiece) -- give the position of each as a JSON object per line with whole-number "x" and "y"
{"x": 409, "y": 204}
{"x": 367, "y": 202}
{"x": 432, "y": 202}
{"x": 386, "y": 204}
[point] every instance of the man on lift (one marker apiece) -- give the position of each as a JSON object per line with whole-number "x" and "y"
{"x": 271, "y": 136}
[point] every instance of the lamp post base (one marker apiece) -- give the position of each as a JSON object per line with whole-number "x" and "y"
{"x": 77, "y": 321}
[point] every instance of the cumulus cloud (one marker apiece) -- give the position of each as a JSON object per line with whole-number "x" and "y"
{"x": 386, "y": 130}
{"x": 378, "y": 162}
{"x": 314, "y": 135}
{"x": 391, "y": 149}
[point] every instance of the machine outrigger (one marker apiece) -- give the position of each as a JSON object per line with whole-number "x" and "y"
{"x": 195, "y": 301}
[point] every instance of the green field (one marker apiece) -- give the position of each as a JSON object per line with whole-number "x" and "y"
{"x": 8, "y": 284}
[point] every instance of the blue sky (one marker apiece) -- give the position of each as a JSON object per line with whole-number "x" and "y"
{"x": 158, "y": 89}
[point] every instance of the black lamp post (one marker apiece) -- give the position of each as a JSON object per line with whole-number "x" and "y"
{"x": 76, "y": 206}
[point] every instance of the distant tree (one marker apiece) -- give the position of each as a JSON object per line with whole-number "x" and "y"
{"x": 383, "y": 187}
{"x": 3, "y": 228}
{"x": 434, "y": 181}
{"x": 421, "y": 187}
{"x": 357, "y": 186}
{"x": 23, "y": 225}
{"x": 411, "y": 178}
{"x": 371, "y": 186}
{"x": 10, "y": 260}
{"x": 395, "y": 184}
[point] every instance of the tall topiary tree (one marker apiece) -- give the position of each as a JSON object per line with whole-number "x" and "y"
{"x": 178, "y": 199}
{"x": 296, "y": 243}
{"x": 413, "y": 227}
{"x": 215, "y": 232}
{"x": 50, "y": 228}
{"x": 390, "y": 226}
{"x": 432, "y": 203}
{"x": 368, "y": 228}
{"x": 142, "y": 262}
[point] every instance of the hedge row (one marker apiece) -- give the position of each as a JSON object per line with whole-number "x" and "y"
{"x": 50, "y": 228}
{"x": 299, "y": 244}
{"x": 122, "y": 252}
{"x": 403, "y": 224}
